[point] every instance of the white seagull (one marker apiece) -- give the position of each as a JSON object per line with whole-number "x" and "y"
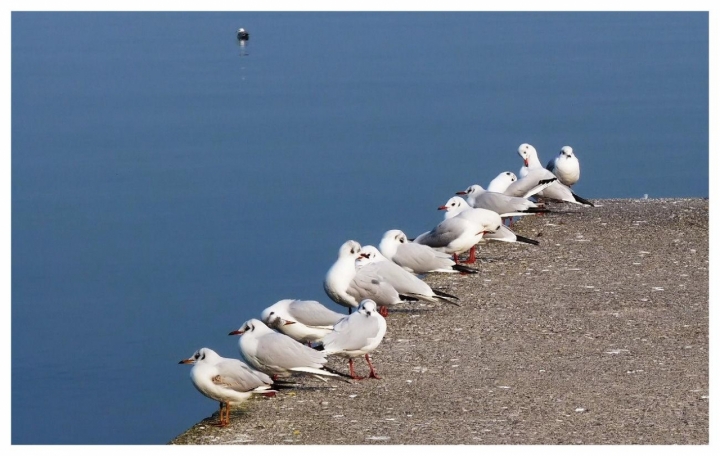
{"x": 501, "y": 182}
{"x": 275, "y": 353}
{"x": 407, "y": 284}
{"x": 505, "y": 205}
{"x": 347, "y": 285}
{"x": 536, "y": 175}
{"x": 418, "y": 258}
{"x": 457, "y": 234}
{"x": 456, "y": 207}
{"x": 565, "y": 166}
{"x": 304, "y": 321}
{"x": 226, "y": 380}
{"x": 356, "y": 335}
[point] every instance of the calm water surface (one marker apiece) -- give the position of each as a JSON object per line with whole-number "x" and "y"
{"x": 167, "y": 184}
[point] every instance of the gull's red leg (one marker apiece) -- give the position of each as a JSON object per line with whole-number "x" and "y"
{"x": 352, "y": 371}
{"x": 373, "y": 374}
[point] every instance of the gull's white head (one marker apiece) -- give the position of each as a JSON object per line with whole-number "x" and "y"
{"x": 275, "y": 321}
{"x": 349, "y": 248}
{"x": 367, "y": 307}
{"x": 501, "y": 182}
{"x": 527, "y": 153}
{"x": 454, "y": 206}
{"x": 201, "y": 356}
{"x": 566, "y": 151}
{"x": 372, "y": 254}
{"x": 472, "y": 190}
{"x": 248, "y": 327}
{"x": 395, "y": 236}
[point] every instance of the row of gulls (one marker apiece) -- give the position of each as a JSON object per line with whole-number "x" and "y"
{"x": 296, "y": 337}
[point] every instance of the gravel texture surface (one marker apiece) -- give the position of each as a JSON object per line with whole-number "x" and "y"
{"x": 599, "y": 335}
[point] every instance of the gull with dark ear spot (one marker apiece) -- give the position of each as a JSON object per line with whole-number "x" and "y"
{"x": 356, "y": 335}
{"x": 565, "y": 166}
{"x": 226, "y": 380}
{"x": 501, "y": 182}
{"x": 418, "y": 258}
{"x": 304, "y": 321}
{"x": 277, "y": 354}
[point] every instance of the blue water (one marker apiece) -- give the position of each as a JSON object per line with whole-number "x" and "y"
{"x": 168, "y": 184}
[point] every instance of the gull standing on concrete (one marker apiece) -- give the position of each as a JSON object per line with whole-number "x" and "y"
{"x": 374, "y": 263}
{"x": 458, "y": 234}
{"x": 356, "y": 335}
{"x": 226, "y": 380}
{"x": 275, "y": 353}
{"x": 535, "y": 174}
{"x": 418, "y": 258}
{"x": 304, "y": 321}
{"x": 565, "y": 166}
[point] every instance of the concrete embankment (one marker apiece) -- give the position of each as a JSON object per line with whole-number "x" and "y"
{"x": 599, "y": 335}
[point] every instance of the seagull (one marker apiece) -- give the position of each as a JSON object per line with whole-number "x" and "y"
{"x": 356, "y": 335}
{"x": 341, "y": 274}
{"x": 275, "y": 353}
{"x": 347, "y": 285}
{"x": 565, "y": 166}
{"x": 506, "y": 206}
{"x": 501, "y": 182}
{"x": 535, "y": 175}
{"x": 228, "y": 381}
{"x": 457, "y": 206}
{"x": 458, "y": 234}
{"x": 418, "y": 258}
{"x": 304, "y": 321}
{"x": 242, "y": 35}
{"x": 407, "y": 284}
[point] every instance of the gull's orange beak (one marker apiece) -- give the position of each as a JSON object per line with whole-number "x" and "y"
{"x": 461, "y": 193}
{"x": 526, "y": 162}
{"x": 237, "y": 332}
{"x": 289, "y": 323}
{"x": 187, "y": 361}
{"x": 442, "y": 208}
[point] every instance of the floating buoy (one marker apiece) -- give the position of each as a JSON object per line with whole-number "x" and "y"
{"x": 242, "y": 35}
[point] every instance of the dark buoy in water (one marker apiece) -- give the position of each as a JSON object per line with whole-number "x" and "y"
{"x": 242, "y": 35}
